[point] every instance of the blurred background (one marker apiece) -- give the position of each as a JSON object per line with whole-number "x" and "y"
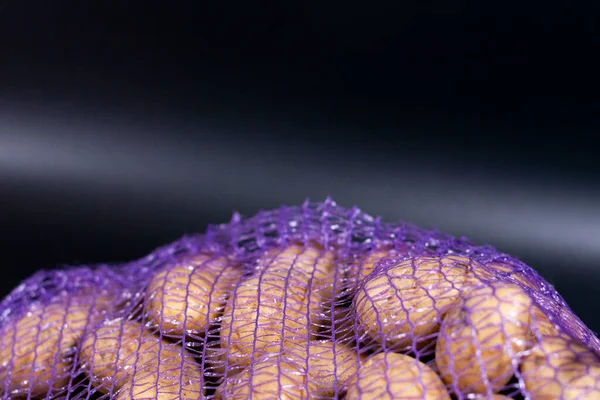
{"x": 124, "y": 125}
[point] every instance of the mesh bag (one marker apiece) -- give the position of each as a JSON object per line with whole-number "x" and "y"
{"x": 309, "y": 302}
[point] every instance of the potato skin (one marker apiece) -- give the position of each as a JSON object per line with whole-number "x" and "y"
{"x": 269, "y": 378}
{"x": 342, "y": 328}
{"x": 44, "y": 341}
{"x": 482, "y": 337}
{"x": 515, "y": 276}
{"x": 561, "y": 368}
{"x": 364, "y": 266}
{"x": 276, "y": 304}
{"x": 407, "y": 302}
{"x": 395, "y": 376}
{"x": 118, "y": 348}
{"x": 167, "y": 381}
{"x": 190, "y": 295}
{"x": 108, "y": 353}
{"x": 329, "y": 364}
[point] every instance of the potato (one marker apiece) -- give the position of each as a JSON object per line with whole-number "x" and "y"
{"x": 276, "y": 305}
{"x": 405, "y": 304}
{"x": 342, "y": 328}
{"x": 565, "y": 323}
{"x": 479, "y": 340}
{"x": 111, "y": 354}
{"x": 541, "y": 325}
{"x": 312, "y": 264}
{"x": 190, "y": 296}
{"x": 395, "y": 376}
{"x": 561, "y": 368}
{"x": 515, "y": 275}
{"x": 167, "y": 381}
{"x": 37, "y": 351}
{"x": 330, "y": 364}
{"x": 364, "y": 266}
{"x": 269, "y": 378}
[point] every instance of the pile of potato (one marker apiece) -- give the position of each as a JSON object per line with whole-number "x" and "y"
{"x": 301, "y": 322}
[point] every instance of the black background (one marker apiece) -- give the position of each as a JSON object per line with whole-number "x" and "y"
{"x": 124, "y": 125}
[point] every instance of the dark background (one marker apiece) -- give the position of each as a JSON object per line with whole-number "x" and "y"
{"x": 124, "y": 125}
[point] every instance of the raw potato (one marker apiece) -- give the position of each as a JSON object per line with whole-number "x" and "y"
{"x": 112, "y": 352}
{"x": 561, "y": 368}
{"x": 191, "y": 295}
{"x": 165, "y": 382}
{"x": 343, "y": 327}
{"x": 540, "y": 324}
{"x": 515, "y": 275}
{"x": 269, "y": 378}
{"x": 318, "y": 268}
{"x": 44, "y": 341}
{"x": 277, "y": 305}
{"x": 572, "y": 326}
{"x": 330, "y": 365}
{"x": 395, "y": 376}
{"x": 480, "y": 338}
{"x": 366, "y": 265}
{"x": 407, "y": 302}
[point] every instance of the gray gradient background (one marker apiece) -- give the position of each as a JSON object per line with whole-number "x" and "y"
{"x": 124, "y": 127}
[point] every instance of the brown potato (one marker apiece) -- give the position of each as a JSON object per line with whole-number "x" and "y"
{"x": 541, "y": 325}
{"x": 565, "y": 323}
{"x": 341, "y": 328}
{"x": 311, "y": 264}
{"x": 276, "y": 305}
{"x": 330, "y": 365}
{"x": 37, "y": 351}
{"x": 406, "y": 303}
{"x": 167, "y": 381}
{"x": 191, "y": 295}
{"x": 364, "y": 266}
{"x": 480, "y": 339}
{"x": 561, "y": 368}
{"x": 112, "y": 353}
{"x": 269, "y": 378}
{"x": 516, "y": 276}
{"x": 395, "y": 376}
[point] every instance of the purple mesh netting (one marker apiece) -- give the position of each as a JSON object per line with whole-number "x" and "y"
{"x": 315, "y": 301}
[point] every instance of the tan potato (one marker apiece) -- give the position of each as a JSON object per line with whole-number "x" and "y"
{"x": 167, "y": 381}
{"x": 276, "y": 305}
{"x": 541, "y": 324}
{"x": 479, "y": 340}
{"x": 191, "y": 295}
{"x": 112, "y": 352}
{"x": 395, "y": 376}
{"x": 313, "y": 265}
{"x": 407, "y": 302}
{"x": 41, "y": 345}
{"x": 342, "y": 328}
{"x": 561, "y": 368}
{"x": 516, "y": 276}
{"x": 364, "y": 266}
{"x": 330, "y": 365}
{"x": 269, "y": 378}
